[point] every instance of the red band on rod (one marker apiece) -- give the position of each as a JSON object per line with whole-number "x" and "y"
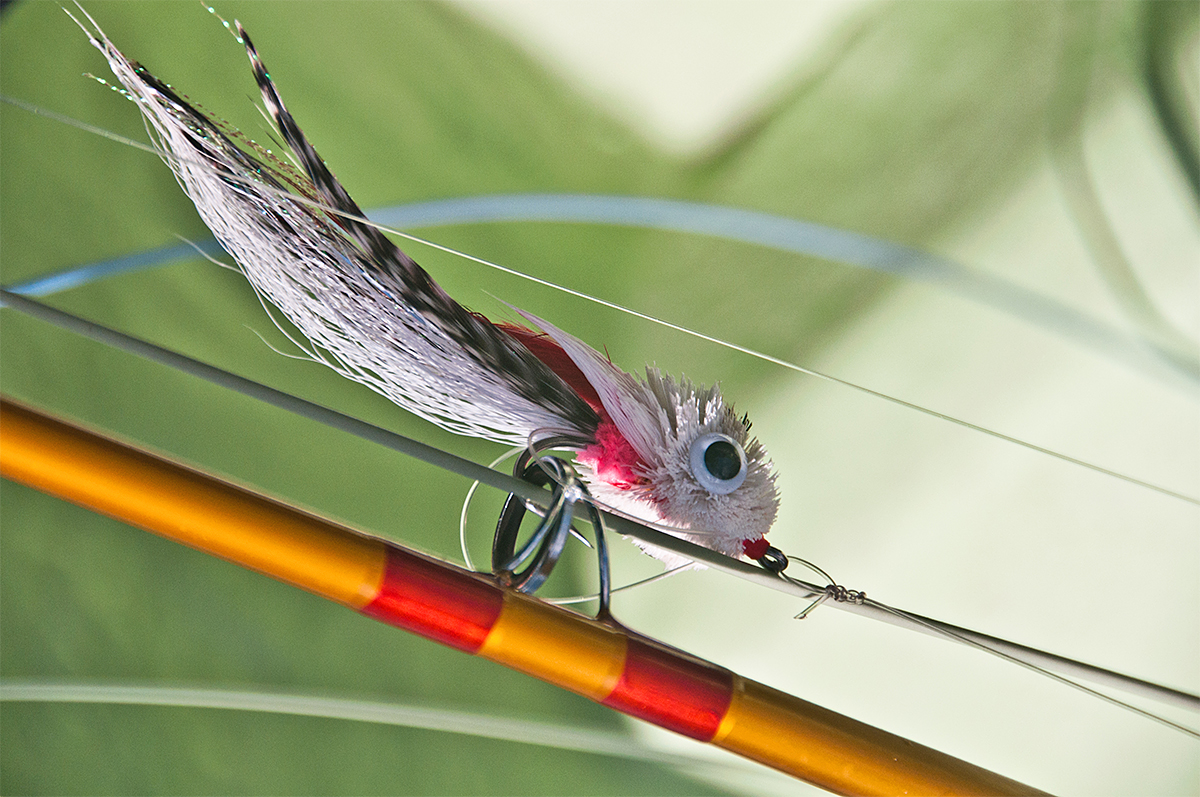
{"x": 447, "y": 605}
{"x": 673, "y": 691}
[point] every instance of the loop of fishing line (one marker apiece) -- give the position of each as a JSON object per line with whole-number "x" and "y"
{"x": 462, "y": 517}
{"x": 833, "y": 590}
{"x": 532, "y": 507}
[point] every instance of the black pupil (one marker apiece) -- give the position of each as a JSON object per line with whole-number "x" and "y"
{"x": 722, "y": 460}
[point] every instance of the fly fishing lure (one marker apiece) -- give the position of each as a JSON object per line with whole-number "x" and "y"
{"x": 661, "y": 449}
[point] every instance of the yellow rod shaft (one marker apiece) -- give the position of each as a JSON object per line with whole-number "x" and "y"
{"x": 187, "y": 506}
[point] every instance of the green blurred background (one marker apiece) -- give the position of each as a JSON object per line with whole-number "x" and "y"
{"x": 1019, "y": 139}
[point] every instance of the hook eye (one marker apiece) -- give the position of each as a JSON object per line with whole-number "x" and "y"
{"x": 773, "y": 560}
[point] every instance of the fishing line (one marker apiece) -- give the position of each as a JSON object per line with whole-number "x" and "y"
{"x": 840, "y": 594}
{"x": 808, "y": 239}
{"x": 639, "y": 583}
{"x": 462, "y": 517}
{"x": 941, "y": 629}
{"x": 1033, "y": 657}
{"x": 37, "y": 110}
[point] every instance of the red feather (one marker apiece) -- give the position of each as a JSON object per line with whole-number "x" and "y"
{"x": 540, "y": 345}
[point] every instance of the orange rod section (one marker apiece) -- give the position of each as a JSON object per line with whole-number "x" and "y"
{"x": 193, "y": 508}
{"x": 553, "y": 644}
{"x": 604, "y": 662}
{"x": 843, "y": 755}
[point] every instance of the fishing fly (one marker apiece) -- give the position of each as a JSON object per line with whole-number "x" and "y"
{"x": 660, "y": 449}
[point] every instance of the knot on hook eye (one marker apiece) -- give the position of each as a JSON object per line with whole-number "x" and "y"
{"x": 543, "y": 549}
{"x": 832, "y": 591}
{"x": 838, "y": 594}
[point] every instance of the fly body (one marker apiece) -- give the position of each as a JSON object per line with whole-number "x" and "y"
{"x": 662, "y": 449}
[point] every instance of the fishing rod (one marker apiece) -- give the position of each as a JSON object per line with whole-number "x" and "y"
{"x": 598, "y": 659}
